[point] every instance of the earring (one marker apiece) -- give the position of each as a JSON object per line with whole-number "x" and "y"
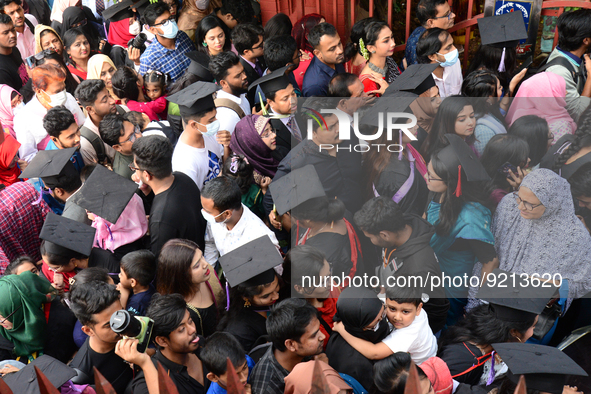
{"x": 373, "y": 51}
{"x": 204, "y": 44}
{"x": 246, "y": 303}
{"x": 517, "y": 338}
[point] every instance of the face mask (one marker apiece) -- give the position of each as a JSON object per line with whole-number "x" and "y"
{"x": 212, "y": 128}
{"x": 16, "y": 109}
{"x": 211, "y": 219}
{"x": 134, "y": 28}
{"x": 169, "y": 29}
{"x": 56, "y": 99}
{"x": 450, "y": 58}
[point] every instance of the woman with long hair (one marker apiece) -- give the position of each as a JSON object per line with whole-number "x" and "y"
{"x": 182, "y": 269}
{"x": 535, "y": 131}
{"x": 278, "y": 25}
{"x": 500, "y": 150}
{"x": 571, "y": 151}
{"x": 485, "y": 90}
{"x": 212, "y": 36}
{"x": 391, "y": 373}
{"x": 300, "y": 32}
{"x": 77, "y": 52}
{"x": 489, "y": 57}
{"x": 354, "y": 60}
{"x": 377, "y": 47}
{"x": 454, "y": 116}
{"x": 460, "y": 213}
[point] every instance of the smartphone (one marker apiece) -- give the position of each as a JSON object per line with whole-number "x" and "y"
{"x": 525, "y": 64}
{"x": 30, "y": 61}
{"x": 506, "y": 168}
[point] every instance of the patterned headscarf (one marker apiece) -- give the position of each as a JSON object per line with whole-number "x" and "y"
{"x": 247, "y": 141}
{"x": 555, "y": 243}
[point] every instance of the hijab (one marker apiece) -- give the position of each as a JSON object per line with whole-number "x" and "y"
{"x": 73, "y": 15}
{"x": 6, "y": 113}
{"x": 119, "y": 33}
{"x": 40, "y": 29}
{"x": 191, "y": 15}
{"x": 8, "y": 149}
{"x": 557, "y": 242}
{"x": 95, "y": 67}
{"x": 24, "y": 295}
{"x": 357, "y": 308}
{"x": 246, "y": 140}
{"x": 300, "y": 379}
{"x": 59, "y": 6}
{"x": 527, "y": 100}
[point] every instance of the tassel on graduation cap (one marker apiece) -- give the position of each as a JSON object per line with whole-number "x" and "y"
{"x": 458, "y": 191}
{"x": 400, "y": 142}
{"x": 502, "y": 64}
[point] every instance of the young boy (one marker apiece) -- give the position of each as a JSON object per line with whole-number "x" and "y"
{"x": 137, "y": 272}
{"x": 218, "y": 347}
{"x": 411, "y": 334}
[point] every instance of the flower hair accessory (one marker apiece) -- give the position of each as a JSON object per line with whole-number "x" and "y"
{"x": 363, "y": 49}
{"x": 234, "y": 164}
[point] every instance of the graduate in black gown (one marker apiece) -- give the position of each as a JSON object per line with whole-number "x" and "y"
{"x": 363, "y": 316}
{"x": 254, "y": 288}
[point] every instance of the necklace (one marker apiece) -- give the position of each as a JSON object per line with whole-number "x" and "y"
{"x": 374, "y": 68}
{"x": 316, "y": 233}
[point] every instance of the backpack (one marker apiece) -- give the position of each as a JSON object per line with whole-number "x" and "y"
{"x": 224, "y": 102}
{"x": 96, "y": 142}
{"x": 557, "y": 61}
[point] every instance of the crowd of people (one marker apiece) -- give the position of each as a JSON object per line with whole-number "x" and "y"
{"x": 182, "y": 185}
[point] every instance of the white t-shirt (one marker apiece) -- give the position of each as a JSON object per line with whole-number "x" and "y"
{"x": 416, "y": 339}
{"x": 200, "y": 164}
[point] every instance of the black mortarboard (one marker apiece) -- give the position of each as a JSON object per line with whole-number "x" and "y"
{"x": 514, "y": 299}
{"x": 195, "y": 98}
{"x": 417, "y": 79}
{"x": 199, "y": 65}
{"x": 52, "y": 166}
{"x": 119, "y": 11}
{"x": 398, "y": 103}
{"x": 545, "y": 368}
{"x": 502, "y": 31}
{"x": 459, "y": 154}
{"x": 62, "y": 235}
{"x": 140, "y": 5}
{"x": 272, "y": 82}
{"x": 105, "y": 193}
{"x": 295, "y": 188}
{"x": 251, "y": 264}
{"x": 25, "y": 380}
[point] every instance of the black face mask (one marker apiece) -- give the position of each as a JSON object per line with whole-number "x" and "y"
{"x": 377, "y": 334}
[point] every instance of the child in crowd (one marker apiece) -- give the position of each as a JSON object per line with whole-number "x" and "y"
{"x": 155, "y": 84}
{"x": 239, "y": 169}
{"x": 218, "y": 348}
{"x": 137, "y": 272}
{"x": 128, "y": 85}
{"x": 411, "y": 333}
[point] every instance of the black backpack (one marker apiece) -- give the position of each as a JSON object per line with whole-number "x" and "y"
{"x": 557, "y": 61}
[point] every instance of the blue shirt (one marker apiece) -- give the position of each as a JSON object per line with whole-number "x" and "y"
{"x": 215, "y": 388}
{"x": 138, "y": 303}
{"x": 76, "y": 158}
{"x": 410, "y": 53}
{"x": 170, "y": 61}
{"x": 317, "y": 77}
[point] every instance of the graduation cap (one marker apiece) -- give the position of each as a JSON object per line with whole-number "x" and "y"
{"x": 417, "y": 79}
{"x": 52, "y": 166}
{"x": 502, "y": 31}
{"x": 399, "y": 102}
{"x": 63, "y": 235}
{"x": 545, "y": 368}
{"x": 295, "y": 188}
{"x": 105, "y": 193}
{"x": 199, "y": 65}
{"x": 272, "y": 82}
{"x": 514, "y": 300}
{"x": 25, "y": 380}
{"x": 119, "y": 11}
{"x": 252, "y": 264}
{"x": 195, "y": 98}
{"x": 140, "y": 5}
{"x": 458, "y": 156}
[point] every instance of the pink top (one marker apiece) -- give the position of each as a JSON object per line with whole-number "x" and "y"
{"x": 299, "y": 72}
{"x": 151, "y": 108}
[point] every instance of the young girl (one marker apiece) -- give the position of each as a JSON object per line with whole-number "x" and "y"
{"x": 238, "y": 168}
{"x": 155, "y": 84}
{"x": 128, "y": 86}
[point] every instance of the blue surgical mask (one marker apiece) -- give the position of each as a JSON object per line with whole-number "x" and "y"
{"x": 212, "y": 128}
{"x": 169, "y": 29}
{"x": 451, "y": 58}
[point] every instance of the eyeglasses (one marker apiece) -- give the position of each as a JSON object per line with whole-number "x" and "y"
{"x": 171, "y": 19}
{"x": 260, "y": 46}
{"x": 268, "y": 133}
{"x": 430, "y": 178}
{"x": 528, "y": 206}
{"x": 448, "y": 16}
{"x": 133, "y": 136}
{"x": 134, "y": 168}
{"x": 83, "y": 22}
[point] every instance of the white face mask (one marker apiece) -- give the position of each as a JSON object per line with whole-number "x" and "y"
{"x": 135, "y": 28}
{"x": 211, "y": 219}
{"x": 57, "y": 99}
{"x": 16, "y": 109}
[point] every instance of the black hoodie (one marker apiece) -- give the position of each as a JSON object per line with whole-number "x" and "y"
{"x": 416, "y": 258}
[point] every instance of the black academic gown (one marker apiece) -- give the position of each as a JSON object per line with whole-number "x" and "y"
{"x": 462, "y": 359}
{"x": 251, "y": 76}
{"x": 247, "y": 326}
{"x": 285, "y": 140}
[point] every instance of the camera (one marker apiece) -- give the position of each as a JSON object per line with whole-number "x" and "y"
{"x": 131, "y": 326}
{"x": 138, "y": 42}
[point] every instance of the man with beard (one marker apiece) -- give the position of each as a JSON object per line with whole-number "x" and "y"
{"x": 12, "y": 69}
{"x": 294, "y": 330}
{"x": 231, "y": 102}
{"x": 327, "y": 62}
{"x": 364, "y": 316}
{"x": 64, "y": 132}
{"x": 176, "y": 340}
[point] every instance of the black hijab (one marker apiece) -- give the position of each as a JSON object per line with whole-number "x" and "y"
{"x": 73, "y": 15}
